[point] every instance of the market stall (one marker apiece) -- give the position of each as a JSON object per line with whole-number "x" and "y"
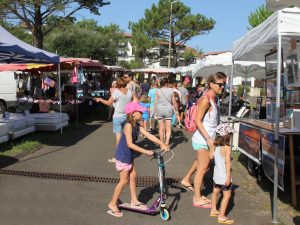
{"x": 15, "y": 51}
{"x": 274, "y": 41}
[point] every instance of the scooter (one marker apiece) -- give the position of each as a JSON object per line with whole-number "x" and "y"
{"x": 160, "y": 201}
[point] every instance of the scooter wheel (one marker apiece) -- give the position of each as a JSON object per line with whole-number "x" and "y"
{"x": 164, "y": 214}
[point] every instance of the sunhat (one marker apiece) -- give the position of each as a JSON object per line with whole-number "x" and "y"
{"x": 224, "y": 129}
{"x": 134, "y": 107}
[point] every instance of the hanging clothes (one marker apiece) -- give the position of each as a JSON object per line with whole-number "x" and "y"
{"x": 81, "y": 77}
{"x": 74, "y": 78}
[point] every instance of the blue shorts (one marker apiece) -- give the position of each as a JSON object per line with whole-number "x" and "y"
{"x": 145, "y": 117}
{"x": 197, "y": 146}
{"x": 118, "y": 123}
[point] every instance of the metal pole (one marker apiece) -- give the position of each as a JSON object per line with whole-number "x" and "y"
{"x": 230, "y": 92}
{"x": 170, "y": 38}
{"x": 59, "y": 95}
{"x": 277, "y": 130}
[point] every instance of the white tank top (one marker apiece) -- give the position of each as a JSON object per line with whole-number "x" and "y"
{"x": 210, "y": 122}
{"x": 220, "y": 168}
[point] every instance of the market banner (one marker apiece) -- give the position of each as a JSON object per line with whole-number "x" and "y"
{"x": 268, "y": 156}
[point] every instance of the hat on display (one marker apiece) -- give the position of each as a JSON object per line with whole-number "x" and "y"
{"x": 134, "y": 107}
{"x": 224, "y": 129}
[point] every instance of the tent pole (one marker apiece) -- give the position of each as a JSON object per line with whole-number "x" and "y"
{"x": 59, "y": 94}
{"x": 275, "y": 192}
{"x": 230, "y": 92}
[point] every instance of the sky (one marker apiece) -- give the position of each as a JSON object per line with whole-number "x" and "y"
{"x": 231, "y": 18}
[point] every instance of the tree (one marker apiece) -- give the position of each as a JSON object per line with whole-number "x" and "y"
{"x": 149, "y": 31}
{"x": 133, "y": 64}
{"x": 190, "y": 53}
{"x": 87, "y": 40}
{"x": 259, "y": 16}
{"x": 35, "y": 14}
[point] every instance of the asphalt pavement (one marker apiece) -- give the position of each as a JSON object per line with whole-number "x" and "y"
{"x": 39, "y": 201}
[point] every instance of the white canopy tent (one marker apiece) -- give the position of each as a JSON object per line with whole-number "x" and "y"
{"x": 223, "y": 63}
{"x": 155, "y": 70}
{"x": 275, "y": 33}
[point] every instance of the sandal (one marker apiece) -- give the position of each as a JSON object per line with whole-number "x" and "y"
{"x": 226, "y": 221}
{"x": 204, "y": 205}
{"x": 139, "y": 205}
{"x": 187, "y": 187}
{"x": 214, "y": 214}
{"x": 116, "y": 213}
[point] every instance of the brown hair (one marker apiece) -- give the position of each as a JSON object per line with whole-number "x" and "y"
{"x": 223, "y": 140}
{"x": 163, "y": 82}
{"x": 144, "y": 98}
{"x": 214, "y": 77}
{"x": 121, "y": 83}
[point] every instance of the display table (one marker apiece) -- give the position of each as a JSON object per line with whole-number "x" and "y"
{"x": 266, "y": 127}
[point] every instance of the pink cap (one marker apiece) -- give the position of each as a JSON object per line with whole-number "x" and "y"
{"x": 134, "y": 107}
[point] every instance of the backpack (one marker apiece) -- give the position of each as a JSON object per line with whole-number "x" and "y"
{"x": 190, "y": 117}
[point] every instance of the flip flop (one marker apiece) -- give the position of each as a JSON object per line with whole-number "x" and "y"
{"x": 139, "y": 205}
{"x": 187, "y": 187}
{"x": 117, "y": 213}
{"x": 214, "y": 214}
{"x": 226, "y": 221}
{"x": 204, "y": 205}
{"x": 112, "y": 160}
{"x": 206, "y": 199}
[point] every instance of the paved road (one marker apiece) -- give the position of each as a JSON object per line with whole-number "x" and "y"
{"x": 33, "y": 201}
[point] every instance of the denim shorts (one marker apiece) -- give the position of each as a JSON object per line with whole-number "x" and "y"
{"x": 117, "y": 123}
{"x": 197, "y": 146}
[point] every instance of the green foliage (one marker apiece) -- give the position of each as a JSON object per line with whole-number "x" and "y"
{"x": 134, "y": 64}
{"x": 240, "y": 90}
{"x": 190, "y": 53}
{"x": 155, "y": 27}
{"x": 41, "y": 17}
{"x": 259, "y": 16}
{"x": 87, "y": 40}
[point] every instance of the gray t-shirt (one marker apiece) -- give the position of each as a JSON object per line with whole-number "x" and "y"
{"x": 164, "y": 97}
{"x": 121, "y": 100}
{"x": 184, "y": 92}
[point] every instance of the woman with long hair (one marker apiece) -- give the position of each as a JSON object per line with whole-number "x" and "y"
{"x": 207, "y": 120}
{"x": 121, "y": 96}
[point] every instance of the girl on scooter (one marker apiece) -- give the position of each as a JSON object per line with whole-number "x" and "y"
{"x": 124, "y": 156}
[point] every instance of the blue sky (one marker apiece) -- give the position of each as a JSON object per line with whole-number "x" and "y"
{"x": 231, "y": 18}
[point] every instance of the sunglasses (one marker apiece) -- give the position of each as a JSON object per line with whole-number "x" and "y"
{"x": 220, "y": 84}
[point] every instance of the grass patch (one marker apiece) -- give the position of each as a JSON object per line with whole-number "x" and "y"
{"x": 34, "y": 141}
{"x": 25, "y": 146}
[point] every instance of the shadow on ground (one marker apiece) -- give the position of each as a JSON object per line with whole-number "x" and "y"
{"x": 266, "y": 185}
{"x": 72, "y": 134}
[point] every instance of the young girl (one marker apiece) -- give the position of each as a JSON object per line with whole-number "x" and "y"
{"x": 124, "y": 156}
{"x": 144, "y": 102}
{"x": 222, "y": 173}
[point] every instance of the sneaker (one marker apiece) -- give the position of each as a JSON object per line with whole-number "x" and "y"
{"x": 150, "y": 129}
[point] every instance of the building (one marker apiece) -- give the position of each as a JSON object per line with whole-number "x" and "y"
{"x": 126, "y": 53}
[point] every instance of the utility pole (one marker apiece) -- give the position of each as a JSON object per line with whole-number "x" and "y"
{"x": 170, "y": 38}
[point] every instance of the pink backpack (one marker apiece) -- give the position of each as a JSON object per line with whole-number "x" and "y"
{"x": 190, "y": 117}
